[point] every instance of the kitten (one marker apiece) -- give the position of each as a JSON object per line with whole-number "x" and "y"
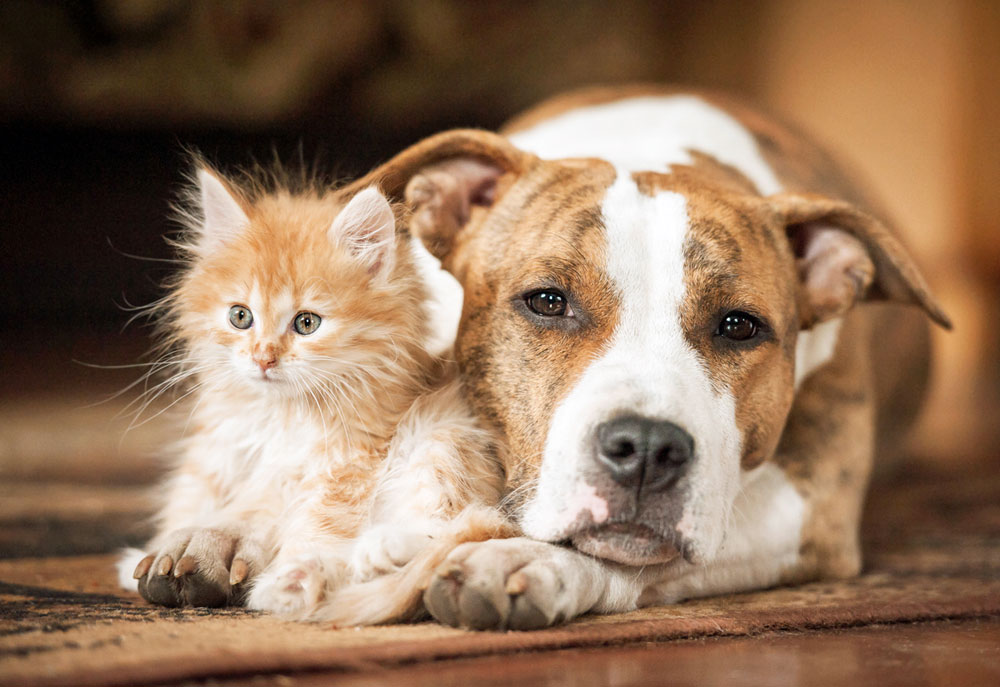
{"x": 324, "y": 445}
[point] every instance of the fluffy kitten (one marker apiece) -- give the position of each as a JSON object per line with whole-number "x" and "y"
{"x": 324, "y": 445}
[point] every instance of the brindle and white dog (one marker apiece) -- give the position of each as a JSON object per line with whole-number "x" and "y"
{"x": 659, "y": 318}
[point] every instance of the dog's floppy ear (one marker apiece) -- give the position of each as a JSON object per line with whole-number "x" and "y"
{"x": 845, "y": 255}
{"x": 444, "y": 177}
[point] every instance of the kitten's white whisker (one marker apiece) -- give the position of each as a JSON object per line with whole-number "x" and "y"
{"x": 154, "y": 369}
{"x": 136, "y": 425}
{"x": 151, "y": 394}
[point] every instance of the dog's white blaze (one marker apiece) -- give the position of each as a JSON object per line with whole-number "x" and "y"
{"x": 651, "y": 133}
{"x": 648, "y": 369}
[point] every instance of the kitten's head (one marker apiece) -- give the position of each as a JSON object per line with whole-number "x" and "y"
{"x": 295, "y": 295}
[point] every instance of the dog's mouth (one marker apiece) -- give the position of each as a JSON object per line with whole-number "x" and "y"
{"x": 626, "y": 542}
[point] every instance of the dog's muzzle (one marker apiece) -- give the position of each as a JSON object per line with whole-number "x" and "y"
{"x": 642, "y": 460}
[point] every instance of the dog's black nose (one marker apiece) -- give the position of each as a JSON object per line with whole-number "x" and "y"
{"x": 638, "y": 450}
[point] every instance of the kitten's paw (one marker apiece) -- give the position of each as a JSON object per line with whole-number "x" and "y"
{"x": 292, "y": 590}
{"x": 384, "y": 549}
{"x": 200, "y": 567}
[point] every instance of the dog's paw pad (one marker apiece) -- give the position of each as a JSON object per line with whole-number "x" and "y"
{"x": 498, "y": 585}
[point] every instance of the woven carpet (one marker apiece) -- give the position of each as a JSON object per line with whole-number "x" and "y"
{"x": 932, "y": 543}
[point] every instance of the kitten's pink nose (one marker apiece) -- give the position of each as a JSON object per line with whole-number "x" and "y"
{"x": 265, "y": 359}
{"x": 266, "y": 364}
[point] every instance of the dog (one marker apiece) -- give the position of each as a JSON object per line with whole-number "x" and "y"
{"x": 670, "y": 317}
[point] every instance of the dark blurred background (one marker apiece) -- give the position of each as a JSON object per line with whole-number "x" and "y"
{"x": 99, "y": 98}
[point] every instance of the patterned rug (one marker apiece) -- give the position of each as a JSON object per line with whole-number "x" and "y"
{"x": 932, "y": 542}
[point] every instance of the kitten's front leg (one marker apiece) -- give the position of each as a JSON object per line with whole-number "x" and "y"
{"x": 292, "y": 588}
{"x": 309, "y": 565}
{"x": 439, "y": 462}
{"x": 385, "y": 548}
{"x": 197, "y": 566}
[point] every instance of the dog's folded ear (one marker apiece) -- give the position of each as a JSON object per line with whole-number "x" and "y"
{"x": 444, "y": 177}
{"x": 844, "y": 255}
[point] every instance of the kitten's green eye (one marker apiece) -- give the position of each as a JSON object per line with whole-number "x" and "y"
{"x": 306, "y": 323}
{"x": 240, "y": 317}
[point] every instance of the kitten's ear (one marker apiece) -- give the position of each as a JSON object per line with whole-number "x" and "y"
{"x": 367, "y": 227}
{"x": 224, "y": 219}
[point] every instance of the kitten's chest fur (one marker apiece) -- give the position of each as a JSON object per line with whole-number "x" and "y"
{"x": 264, "y": 452}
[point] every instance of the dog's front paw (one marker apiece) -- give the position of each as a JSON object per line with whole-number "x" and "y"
{"x": 292, "y": 590}
{"x": 386, "y": 548}
{"x": 512, "y": 584}
{"x": 200, "y": 567}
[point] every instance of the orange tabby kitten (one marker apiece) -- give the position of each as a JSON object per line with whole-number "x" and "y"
{"x": 325, "y": 445}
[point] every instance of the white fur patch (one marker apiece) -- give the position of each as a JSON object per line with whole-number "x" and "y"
{"x": 444, "y": 300}
{"x": 815, "y": 348}
{"x": 127, "y": 562}
{"x": 650, "y": 134}
{"x": 761, "y": 543}
{"x": 648, "y": 369}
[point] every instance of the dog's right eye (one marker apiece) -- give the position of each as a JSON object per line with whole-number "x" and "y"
{"x": 548, "y": 303}
{"x": 739, "y": 326}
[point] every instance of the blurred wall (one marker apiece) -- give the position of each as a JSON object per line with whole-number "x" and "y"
{"x": 99, "y": 98}
{"x": 907, "y": 92}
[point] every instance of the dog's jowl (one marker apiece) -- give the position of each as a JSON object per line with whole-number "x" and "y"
{"x": 660, "y": 320}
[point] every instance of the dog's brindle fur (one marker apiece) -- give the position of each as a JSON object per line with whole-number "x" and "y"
{"x": 506, "y": 222}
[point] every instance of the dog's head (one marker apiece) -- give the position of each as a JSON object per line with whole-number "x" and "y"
{"x": 634, "y": 335}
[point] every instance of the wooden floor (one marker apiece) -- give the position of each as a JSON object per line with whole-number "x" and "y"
{"x": 940, "y": 654}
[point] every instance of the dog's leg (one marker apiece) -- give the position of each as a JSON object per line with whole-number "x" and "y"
{"x": 827, "y": 451}
{"x": 522, "y": 584}
{"x": 311, "y": 561}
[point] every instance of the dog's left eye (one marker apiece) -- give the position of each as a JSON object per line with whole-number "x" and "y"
{"x": 739, "y": 326}
{"x": 548, "y": 304}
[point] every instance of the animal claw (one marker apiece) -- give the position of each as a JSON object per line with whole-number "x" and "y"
{"x": 143, "y": 567}
{"x": 238, "y": 572}
{"x": 185, "y": 566}
{"x": 452, "y": 572}
{"x": 517, "y": 583}
{"x": 166, "y": 563}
